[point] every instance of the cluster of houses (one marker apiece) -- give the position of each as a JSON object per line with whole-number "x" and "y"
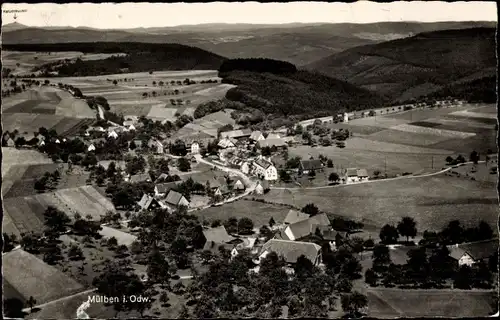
{"x": 291, "y": 240}
{"x": 165, "y": 197}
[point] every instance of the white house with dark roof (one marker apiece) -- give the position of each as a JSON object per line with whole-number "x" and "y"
{"x": 226, "y": 143}
{"x": 261, "y": 187}
{"x": 161, "y": 189}
{"x": 473, "y": 252}
{"x": 265, "y": 169}
{"x": 148, "y": 202}
{"x": 273, "y": 135}
{"x": 354, "y": 175}
{"x": 304, "y": 228}
{"x": 195, "y": 147}
{"x": 156, "y": 145}
{"x": 294, "y": 216}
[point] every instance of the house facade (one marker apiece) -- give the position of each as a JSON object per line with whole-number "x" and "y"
{"x": 265, "y": 169}
{"x": 156, "y": 145}
{"x": 245, "y": 168}
{"x": 306, "y": 166}
{"x": 195, "y": 148}
{"x": 354, "y": 175}
{"x": 473, "y": 252}
{"x": 256, "y": 136}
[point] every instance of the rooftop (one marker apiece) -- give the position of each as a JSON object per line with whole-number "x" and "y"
{"x": 292, "y": 250}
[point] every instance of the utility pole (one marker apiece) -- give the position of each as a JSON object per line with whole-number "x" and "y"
{"x": 432, "y": 161}
{"x": 385, "y": 166}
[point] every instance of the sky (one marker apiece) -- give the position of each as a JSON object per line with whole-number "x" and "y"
{"x": 136, "y": 15}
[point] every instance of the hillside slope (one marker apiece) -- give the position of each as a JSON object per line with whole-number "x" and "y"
{"x": 139, "y": 57}
{"x": 296, "y": 43}
{"x": 420, "y": 65}
{"x": 282, "y": 91}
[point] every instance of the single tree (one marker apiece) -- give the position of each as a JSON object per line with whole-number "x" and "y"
{"x": 271, "y": 222}
{"x": 333, "y": 177}
{"x": 31, "y": 303}
{"x": 353, "y": 303}
{"x": 474, "y": 157}
{"x": 310, "y": 209}
{"x": 245, "y": 226}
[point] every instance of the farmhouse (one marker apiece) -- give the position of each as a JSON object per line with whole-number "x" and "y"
{"x": 156, "y": 145}
{"x": 162, "y": 189}
{"x": 218, "y": 186}
{"x": 292, "y": 250}
{"x": 236, "y": 134}
{"x": 142, "y": 177}
{"x": 354, "y": 175}
{"x": 137, "y": 143}
{"x": 473, "y": 252}
{"x": 265, "y": 169}
{"x": 304, "y": 228}
{"x": 295, "y": 216}
{"x": 195, "y": 147}
{"x": 148, "y": 202}
{"x": 305, "y": 166}
{"x": 90, "y": 147}
{"x": 10, "y": 142}
{"x": 256, "y": 136}
{"x": 175, "y": 200}
{"x": 272, "y": 142}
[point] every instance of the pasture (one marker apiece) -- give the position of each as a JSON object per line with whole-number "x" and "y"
{"x": 25, "y": 214}
{"x": 398, "y": 303}
{"x": 30, "y": 276}
{"x": 432, "y": 201}
{"x": 260, "y": 213}
{"x": 123, "y": 238}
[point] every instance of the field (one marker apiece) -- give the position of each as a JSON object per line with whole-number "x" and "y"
{"x": 28, "y": 60}
{"x": 206, "y": 127}
{"x": 31, "y": 276}
{"x": 432, "y": 201}
{"x": 479, "y": 172}
{"x": 19, "y": 181}
{"x": 396, "y": 303}
{"x": 13, "y": 156}
{"x": 123, "y": 238}
{"x": 259, "y": 212}
{"x": 25, "y": 214}
{"x": 127, "y": 96}
{"x": 415, "y": 141}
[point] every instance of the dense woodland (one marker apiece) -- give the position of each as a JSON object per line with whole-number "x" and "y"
{"x": 140, "y": 57}
{"x": 298, "y": 93}
{"x": 257, "y": 65}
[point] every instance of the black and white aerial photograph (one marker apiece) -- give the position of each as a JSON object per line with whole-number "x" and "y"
{"x": 249, "y": 160}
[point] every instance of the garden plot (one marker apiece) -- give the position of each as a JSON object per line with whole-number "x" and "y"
{"x": 128, "y": 109}
{"x": 83, "y": 200}
{"x": 30, "y": 276}
{"x": 160, "y": 112}
{"x": 382, "y": 122}
{"x": 13, "y": 156}
{"x": 433, "y": 131}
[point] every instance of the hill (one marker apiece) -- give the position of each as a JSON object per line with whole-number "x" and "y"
{"x": 296, "y": 43}
{"x": 280, "y": 91}
{"x": 139, "y": 57}
{"x": 404, "y": 69}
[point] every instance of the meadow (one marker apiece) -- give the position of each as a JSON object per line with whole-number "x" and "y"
{"x": 30, "y": 276}
{"x": 432, "y": 201}
{"x": 397, "y": 303}
{"x": 13, "y": 156}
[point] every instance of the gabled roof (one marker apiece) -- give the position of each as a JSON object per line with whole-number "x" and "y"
{"x": 294, "y": 216}
{"x": 476, "y": 250}
{"x": 166, "y": 186}
{"x": 138, "y": 143}
{"x": 226, "y": 143}
{"x": 314, "y": 164}
{"x": 173, "y": 197}
{"x": 263, "y": 163}
{"x": 292, "y": 250}
{"x": 255, "y": 135}
{"x": 308, "y": 226}
{"x": 217, "y": 235}
{"x": 162, "y": 176}
{"x": 146, "y": 201}
{"x": 272, "y": 142}
{"x": 352, "y": 172}
{"x": 139, "y": 177}
{"x": 236, "y": 133}
{"x": 264, "y": 184}
{"x": 215, "y": 247}
{"x": 238, "y": 185}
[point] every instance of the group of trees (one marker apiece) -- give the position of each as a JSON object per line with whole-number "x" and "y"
{"x": 428, "y": 269}
{"x": 454, "y": 233}
{"x": 457, "y": 160}
{"x": 260, "y": 65}
{"x": 47, "y": 181}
